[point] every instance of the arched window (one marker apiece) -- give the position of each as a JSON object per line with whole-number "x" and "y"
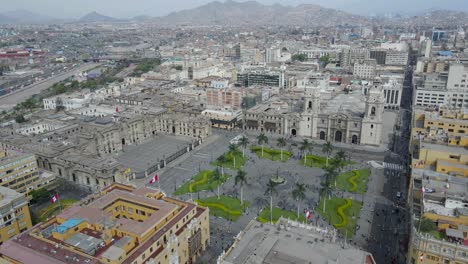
{"x": 372, "y": 112}
{"x": 310, "y": 104}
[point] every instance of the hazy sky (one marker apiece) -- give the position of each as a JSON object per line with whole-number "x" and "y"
{"x": 129, "y": 8}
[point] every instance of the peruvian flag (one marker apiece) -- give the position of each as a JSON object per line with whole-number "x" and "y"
{"x": 423, "y": 190}
{"x": 421, "y": 257}
{"x": 308, "y": 215}
{"x": 54, "y": 198}
{"x": 154, "y": 179}
{"x": 117, "y": 109}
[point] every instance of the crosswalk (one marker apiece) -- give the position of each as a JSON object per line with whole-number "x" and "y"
{"x": 393, "y": 166}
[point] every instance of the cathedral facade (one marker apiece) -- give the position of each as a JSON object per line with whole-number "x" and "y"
{"x": 344, "y": 118}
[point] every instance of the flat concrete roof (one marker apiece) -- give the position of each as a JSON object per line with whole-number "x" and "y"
{"x": 9, "y": 195}
{"x": 269, "y": 244}
{"x": 143, "y": 156}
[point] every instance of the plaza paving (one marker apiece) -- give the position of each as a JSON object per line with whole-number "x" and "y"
{"x": 259, "y": 172}
{"x": 142, "y": 156}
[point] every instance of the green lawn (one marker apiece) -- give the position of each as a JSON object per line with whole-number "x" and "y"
{"x": 201, "y": 181}
{"x": 52, "y": 210}
{"x": 320, "y": 161}
{"x": 271, "y": 154}
{"x": 353, "y": 181}
{"x": 264, "y": 216}
{"x": 341, "y": 213}
{"x": 315, "y": 161}
{"x": 226, "y": 207}
{"x": 239, "y": 160}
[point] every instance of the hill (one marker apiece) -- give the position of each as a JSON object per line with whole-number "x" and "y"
{"x": 254, "y": 13}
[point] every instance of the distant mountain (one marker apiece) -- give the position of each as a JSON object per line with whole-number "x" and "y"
{"x": 254, "y": 13}
{"x": 96, "y": 17}
{"x": 439, "y": 18}
{"x": 22, "y": 16}
{"x": 6, "y": 20}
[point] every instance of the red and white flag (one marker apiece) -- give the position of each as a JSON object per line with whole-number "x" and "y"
{"x": 54, "y": 198}
{"x": 421, "y": 256}
{"x": 116, "y": 109}
{"x": 308, "y": 215}
{"x": 423, "y": 190}
{"x": 154, "y": 179}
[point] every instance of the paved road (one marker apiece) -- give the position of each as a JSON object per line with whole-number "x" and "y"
{"x": 10, "y": 100}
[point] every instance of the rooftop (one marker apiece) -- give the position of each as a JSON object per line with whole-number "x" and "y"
{"x": 286, "y": 243}
{"x": 8, "y": 195}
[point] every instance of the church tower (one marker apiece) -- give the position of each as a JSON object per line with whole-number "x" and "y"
{"x": 372, "y": 127}
{"x": 309, "y": 116}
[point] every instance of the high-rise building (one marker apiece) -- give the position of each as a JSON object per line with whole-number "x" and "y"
{"x": 119, "y": 225}
{"x": 379, "y": 55}
{"x": 272, "y": 55}
{"x": 19, "y": 171}
{"x": 14, "y": 214}
{"x": 270, "y": 78}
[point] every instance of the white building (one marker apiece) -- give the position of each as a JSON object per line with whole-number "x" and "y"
{"x": 272, "y": 55}
{"x": 365, "y": 69}
{"x": 394, "y": 57}
{"x": 220, "y": 84}
{"x": 39, "y": 128}
{"x": 435, "y": 91}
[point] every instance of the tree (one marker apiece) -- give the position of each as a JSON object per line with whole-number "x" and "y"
{"x": 426, "y": 225}
{"x": 299, "y": 195}
{"x": 233, "y": 150}
{"x": 270, "y": 190}
{"x": 325, "y": 59}
{"x": 262, "y": 139}
{"x": 244, "y": 141}
{"x": 20, "y": 119}
{"x": 281, "y": 142}
{"x": 327, "y": 149}
{"x": 339, "y": 160}
{"x": 217, "y": 177}
{"x": 299, "y": 57}
{"x": 221, "y": 160}
{"x": 241, "y": 179}
{"x": 39, "y": 195}
{"x": 305, "y": 147}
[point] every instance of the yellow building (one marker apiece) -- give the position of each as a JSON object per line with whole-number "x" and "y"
{"x": 439, "y": 143}
{"x": 19, "y": 171}
{"x": 120, "y": 225}
{"x": 14, "y": 214}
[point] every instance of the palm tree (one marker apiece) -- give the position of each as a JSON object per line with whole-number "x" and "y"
{"x": 299, "y": 195}
{"x": 327, "y": 149}
{"x": 244, "y": 141}
{"x": 262, "y": 139}
{"x": 270, "y": 190}
{"x": 241, "y": 179}
{"x": 221, "y": 160}
{"x": 330, "y": 174}
{"x": 281, "y": 142}
{"x": 305, "y": 147}
{"x": 217, "y": 177}
{"x": 233, "y": 150}
{"x": 340, "y": 159}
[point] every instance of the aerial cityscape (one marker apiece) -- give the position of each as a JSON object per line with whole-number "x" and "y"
{"x": 234, "y": 132}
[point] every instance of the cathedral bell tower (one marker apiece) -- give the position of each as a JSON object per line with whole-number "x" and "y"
{"x": 309, "y": 116}
{"x": 372, "y": 128}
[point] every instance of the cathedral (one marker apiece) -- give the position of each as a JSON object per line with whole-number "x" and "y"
{"x": 352, "y": 118}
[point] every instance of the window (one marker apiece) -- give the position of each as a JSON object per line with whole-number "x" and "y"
{"x": 373, "y": 111}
